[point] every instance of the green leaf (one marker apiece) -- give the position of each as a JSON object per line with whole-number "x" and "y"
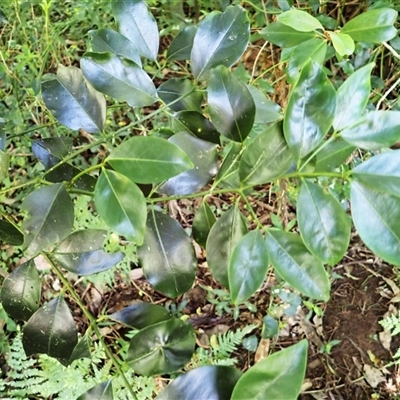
{"x": 343, "y": 44}
{"x": 109, "y": 41}
{"x": 296, "y": 265}
{"x": 119, "y": 78}
{"x": 283, "y": 35}
{"x": 72, "y": 101}
{"x": 266, "y": 110}
{"x": 324, "y": 225}
{"x": 121, "y": 204}
{"x": 10, "y": 234}
{"x": 380, "y": 172}
{"x": 174, "y": 88}
{"x": 222, "y": 239}
{"x": 136, "y": 23}
{"x": 247, "y": 267}
{"x": 161, "y": 348}
{"x": 220, "y": 39}
{"x": 102, "y": 391}
{"x": 278, "y": 376}
{"x": 231, "y": 105}
{"x": 352, "y": 97}
{"x": 141, "y": 315}
{"x": 376, "y": 217}
{"x": 310, "y": 110}
{"x": 203, "y": 383}
{"x": 270, "y": 327}
{"x": 266, "y": 158}
{"x": 228, "y": 174}
{"x": 51, "y": 330}
{"x": 203, "y": 221}
{"x": 81, "y": 252}
{"x": 20, "y": 292}
{"x": 299, "y": 20}
{"x": 50, "y": 217}
{"x": 181, "y": 47}
{"x": 146, "y": 159}
{"x": 167, "y": 255}
{"x": 204, "y": 158}
{"x": 374, "y": 26}
{"x": 4, "y": 165}
{"x": 332, "y": 155}
{"x": 81, "y": 350}
{"x": 374, "y": 130}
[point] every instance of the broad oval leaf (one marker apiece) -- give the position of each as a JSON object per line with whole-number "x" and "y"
{"x": 10, "y": 234}
{"x": 324, "y": 225}
{"x": 82, "y": 252}
{"x": 119, "y": 78}
{"x": 283, "y": 35}
{"x": 332, "y": 155}
{"x": 374, "y": 130}
{"x": 181, "y": 47}
{"x": 51, "y": 330}
{"x": 278, "y": 376}
{"x": 74, "y": 102}
{"x": 174, "y": 88}
{"x": 161, "y": 348}
{"x": 121, "y": 204}
{"x": 380, "y": 172}
{"x": 141, "y": 315}
{"x": 299, "y": 20}
{"x": 296, "y": 265}
{"x": 50, "y": 217}
{"x": 146, "y": 159}
{"x": 222, "y": 239}
{"x": 373, "y": 26}
{"x": 247, "y": 267}
{"x": 20, "y": 292}
{"x": 376, "y": 217}
{"x": 136, "y": 23}
{"x": 203, "y": 221}
{"x": 266, "y": 158}
{"x": 102, "y": 391}
{"x": 343, "y": 44}
{"x": 231, "y": 105}
{"x": 310, "y": 110}
{"x": 167, "y": 255}
{"x": 266, "y": 110}
{"x": 220, "y": 40}
{"x": 352, "y": 97}
{"x": 204, "y": 383}
{"x": 204, "y": 158}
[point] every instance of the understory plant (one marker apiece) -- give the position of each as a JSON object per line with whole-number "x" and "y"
{"x": 206, "y": 130}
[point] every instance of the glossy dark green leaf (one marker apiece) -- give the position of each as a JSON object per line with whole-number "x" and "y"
{"x": 119, "y": 78}
{"x": 266, "y": 110}
{"x": 72, "y": 101}
{"x": 203, "y": 221}
{"x": 296, "y": 265}
{"x": 10, "y": 234}
{"x": 231, "y": 105}
{"x": 283, "y": 35}
{"x": 121, "y": 204}
{"x": 381, "y": 172}
{"x": 352, "y": 97}
{"x": 220, "y": 40}
{"x": 174, "y": 88}
{"x": 82, "y": 252}
{"x": 310, "y": 110}
{"x": 20, "y": 292}
{"x": 141, "y": 315}
{"x": 228, "y": 174}
{"x": 147, "y": 159}
{"x": 324, "y": 225}
{"x": 222, "y": 239}
{"x": 373, "y": 26}
{"x": 161, "y": 348}
{"x": 50, "y": 217}
{"x": 332, "y": 155}
{"x": 51, "y": 330}
{"x": 343, "y": 43}
{"x": 376, "y": 218}
{"x": 204, "y": 158}
{"x": 109, "y": 41}
{"x": 204, "y": 383}
{"x": 247, "y": 266}
{"x": 102, "y": 391}
{"x": 136, "y": 23}
{"x": 374, "y": 130}
{"x": 181, "y": 47}
{"x": 266, "y": 158}
{"x": 278, "y": 376}
{"x": 299, "y": 20}
{"x": 167, "y": 255}
{"x": 81, "y": 350}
